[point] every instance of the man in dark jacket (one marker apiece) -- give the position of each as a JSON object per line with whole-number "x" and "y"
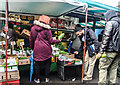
{"x": 77, "y": 43}
{"x": 92, "y": 46}
{"x": 90, "y": 58}
{"x": 112, "y": 57}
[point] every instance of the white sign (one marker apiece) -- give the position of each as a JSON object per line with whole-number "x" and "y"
{"x": 13, "y": 43}
{"x": 22, "y": 43}
{"x": 2, "y": 42}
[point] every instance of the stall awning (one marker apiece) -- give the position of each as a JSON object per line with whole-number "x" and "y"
{"x": 95, "y": 11}
{"x": 47, "y": 7}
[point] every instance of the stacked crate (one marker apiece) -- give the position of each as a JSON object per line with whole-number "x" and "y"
{"x": 12, "y": 69}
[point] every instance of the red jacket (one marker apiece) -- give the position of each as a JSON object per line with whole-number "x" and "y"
{"x": 42, "y": 47}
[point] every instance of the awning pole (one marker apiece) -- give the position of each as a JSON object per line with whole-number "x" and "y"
{"x": 84, "y": 43}
{"x": 6, "y": 29}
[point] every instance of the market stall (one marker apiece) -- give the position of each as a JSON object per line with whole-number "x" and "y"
{"x": 76, "y": 11}
{"x": 20, "y": 54}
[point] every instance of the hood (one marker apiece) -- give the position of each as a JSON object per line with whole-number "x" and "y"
{"x": 110, "y": 14}
{"x": 41, "y": 25}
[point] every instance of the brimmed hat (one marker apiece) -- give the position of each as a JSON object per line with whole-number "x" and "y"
{"x": 44, "y": 18}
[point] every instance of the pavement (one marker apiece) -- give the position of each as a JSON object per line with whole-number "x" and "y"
{"x": 55, "y": 80}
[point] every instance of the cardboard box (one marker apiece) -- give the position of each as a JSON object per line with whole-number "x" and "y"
{"x": 14, "y": 75}
{"x": 11, "y": 68}
{"x": 2, "y": 69}
{"x": 24, "y": 61}
{"x": 25, "y": 33}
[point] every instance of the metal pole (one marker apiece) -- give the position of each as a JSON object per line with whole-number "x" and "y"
{"x": 57, "y": 27}
{"x": 6, "y": 29}
{"x": 84, "y": 45}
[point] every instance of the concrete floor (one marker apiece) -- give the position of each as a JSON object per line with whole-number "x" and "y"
{"x": 55, "y": 80}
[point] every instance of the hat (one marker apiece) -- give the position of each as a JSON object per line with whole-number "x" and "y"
{"x": 44, "y": 18}
{"x": 110, "y": 14}
{"x": 78, "y": 29}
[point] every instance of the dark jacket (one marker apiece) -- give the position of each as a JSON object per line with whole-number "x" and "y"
{"x": 90, "y": 40}
{"x": 110, "y": 31}
{"x": 42, "y": 47}
{"x": 12, "y": 35}
{"x": 77, "y": 44}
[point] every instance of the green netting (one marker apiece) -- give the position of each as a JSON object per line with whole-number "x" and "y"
{"x": 53, "y": 67}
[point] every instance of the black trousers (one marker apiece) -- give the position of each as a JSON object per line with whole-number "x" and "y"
{"x": 45, "y": 64}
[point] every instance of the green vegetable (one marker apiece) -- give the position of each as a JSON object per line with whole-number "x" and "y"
{"x": 23, "y": 58}
{"x": 56, "y": 55}
{"x": 61, "y": 36}
{"x": 103, "y": 55}
{"x": 62, "y": 52}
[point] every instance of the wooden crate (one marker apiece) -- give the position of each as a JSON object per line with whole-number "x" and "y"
{"x": 25, "y": 33}
{"x": 14, "y": 75}
{"x": 24, "y": 62}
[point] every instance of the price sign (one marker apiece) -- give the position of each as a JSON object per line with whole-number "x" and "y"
{"x": 22, "y": 43}
{"x": 13, "y": 43}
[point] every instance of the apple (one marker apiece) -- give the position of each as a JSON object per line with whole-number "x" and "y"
{"x": 104, "y": 55}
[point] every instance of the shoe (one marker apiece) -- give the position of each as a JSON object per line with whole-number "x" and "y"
{"x": 86, "y": 78}
{"x": 73, "y": 79}
{"x": 47, "y": 80}
{"x": 36, "y": 81}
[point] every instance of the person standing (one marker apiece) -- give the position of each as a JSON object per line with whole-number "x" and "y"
{"x": 12, "y": 33}
{"x": 110, "y": 62}
{"x": 77, "y": 43}
{"x": 92, "y": 48}
{"x": 40, "y": 40}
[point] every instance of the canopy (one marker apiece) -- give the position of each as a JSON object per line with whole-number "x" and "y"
{"x": 47, "y": 7}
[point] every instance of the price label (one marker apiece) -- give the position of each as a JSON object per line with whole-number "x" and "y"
{"x": 22, "y": 43}
{"x": 13, "y": 43}
{"x": 2, "y": 42}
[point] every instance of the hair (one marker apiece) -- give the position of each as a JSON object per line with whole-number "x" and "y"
{"x": 10, "y": 25}
{"x": 78, "y": 25}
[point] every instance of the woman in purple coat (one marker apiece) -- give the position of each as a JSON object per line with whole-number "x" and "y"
{"x": 40, "y": 40}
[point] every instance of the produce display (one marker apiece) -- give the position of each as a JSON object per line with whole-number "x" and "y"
{"x": 60, "y": 46}
{"x": 61, "y": 36}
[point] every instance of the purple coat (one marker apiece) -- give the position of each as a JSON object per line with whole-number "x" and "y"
{"x": 42, "y": 47}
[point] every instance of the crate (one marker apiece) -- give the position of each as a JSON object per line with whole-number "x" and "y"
{"x": 25, "y": 33}
{"x": 16, "y": 82}
{"x": 68, "y": 72}
{"x": 24, "y": 62}
{"x": 65, "y": 63}
{"x": 11, "y": 76}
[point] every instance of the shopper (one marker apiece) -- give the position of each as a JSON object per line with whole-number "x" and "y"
{"x": 110, "y": 62}
{"x": 77, "y": 43}
{"x": 92, "y": 46}
{"x": 12, "y": 33}
{"x": 40, "y": 40}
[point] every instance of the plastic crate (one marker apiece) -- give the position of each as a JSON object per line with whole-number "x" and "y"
{"x": 16, "y": 82}
{"x": 14, "y": 75}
